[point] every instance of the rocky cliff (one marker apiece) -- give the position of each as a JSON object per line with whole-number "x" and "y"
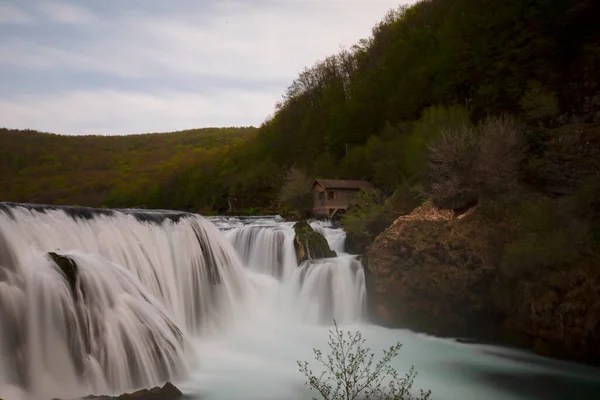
{"x": 451, "y": 275}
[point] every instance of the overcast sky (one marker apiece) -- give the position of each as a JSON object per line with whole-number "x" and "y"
{"x": 134, "y": 66}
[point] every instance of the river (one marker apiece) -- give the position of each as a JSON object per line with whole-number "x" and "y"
{"x": 217, "y": 305}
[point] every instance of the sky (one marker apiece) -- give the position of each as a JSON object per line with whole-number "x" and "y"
{"x": 134, "y": 66}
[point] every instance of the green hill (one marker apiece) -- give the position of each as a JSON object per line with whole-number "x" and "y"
{"x": 96, "y": 170}
{"x": 387, "y": 98}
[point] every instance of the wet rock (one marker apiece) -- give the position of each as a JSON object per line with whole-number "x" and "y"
{"x": 167, "y": 392}
{"x": 69, "y": 268}
{"x": 309, "y": 244}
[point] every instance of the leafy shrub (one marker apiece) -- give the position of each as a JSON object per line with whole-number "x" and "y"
{"x": 430, "y": 126}
{"x": 538, "y": 103}
{"x": 350, "y": 372}
{"x": 248, "y": 212}
{"x": 389, "y": 169}
{"x": 405, "y": 198}
{"x": 295, "y": 193}
{"x": 548, "y": 238}
{"x": 531, "y": 255}
{"x": 373, "y": 212}
{"x": 365, "y": 219}
{"x": 380, "y": 159}
{"x": 586, "y": 201}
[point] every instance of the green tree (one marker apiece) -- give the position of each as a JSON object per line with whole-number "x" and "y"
{"x": 295, "y": 194}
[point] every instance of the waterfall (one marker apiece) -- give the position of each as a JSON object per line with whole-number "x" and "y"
{"x": 335, "y": 236}
{"x": 107, "y": 301}
{"x": 317, "y": 291}
{"x": 323, "y": 290}
{"x": 268, "y": 249}
{"x": 144, "y": 283}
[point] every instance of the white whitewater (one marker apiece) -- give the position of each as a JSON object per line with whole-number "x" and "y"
{"x": 334, "y": 235}
{"x": 143, "y": 288}
{"x": 146, "y": 285}
{"x": 217, "y": 305}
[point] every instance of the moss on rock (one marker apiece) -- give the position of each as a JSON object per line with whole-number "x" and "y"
{"x": 68, "y": 266}
{"x": 309, "y": 244}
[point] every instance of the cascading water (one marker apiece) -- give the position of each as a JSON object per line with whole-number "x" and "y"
{"x": 102, "y": 301}
{"x": 136, "y": 285}
{"x": 334, "y": 235}
{"x": 317, "y": 291}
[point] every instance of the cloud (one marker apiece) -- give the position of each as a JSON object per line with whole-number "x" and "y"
{"x": 197, "y": 50}
{"x": 113, "y": 112}
{"x": 66, "y": 13}
{"x": 13, "y": 15}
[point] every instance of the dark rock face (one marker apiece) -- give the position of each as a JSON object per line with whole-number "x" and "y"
{"x": 427, "y": 275}
{"x": 69, "y": 267}
{"x": 309, "y": 244}
{"x": 167, "y": 392}
{"x": 435, "y": 272}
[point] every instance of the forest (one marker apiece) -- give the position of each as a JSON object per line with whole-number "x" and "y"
{"x": 99, "y": 171}
{"x": 425, "y": 68}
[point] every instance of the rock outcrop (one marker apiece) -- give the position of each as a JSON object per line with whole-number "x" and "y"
{"x": 309, "y": 244}
{"x": 167, "y": 392}
{"x": 69, "y": 268}
{"x": 431, "y": 272}
{"x": 437, "y": 272}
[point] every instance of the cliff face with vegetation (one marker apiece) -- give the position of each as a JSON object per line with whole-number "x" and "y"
{"x": 520, "y": 266}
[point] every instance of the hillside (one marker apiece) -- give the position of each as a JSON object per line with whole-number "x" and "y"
{"x": 426, "y": 67}
{"x": 95, "y": 170}
{"x": 384, "y": 98}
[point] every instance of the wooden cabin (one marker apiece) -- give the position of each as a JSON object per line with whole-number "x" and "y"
{"x": 332, "y": 196}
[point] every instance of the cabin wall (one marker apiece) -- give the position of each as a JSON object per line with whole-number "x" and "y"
{"x": 322, "y": 203}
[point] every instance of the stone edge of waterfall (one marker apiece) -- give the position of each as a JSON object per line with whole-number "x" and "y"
{"x": 82, "y": 212}
{"x": 167, "y": 392}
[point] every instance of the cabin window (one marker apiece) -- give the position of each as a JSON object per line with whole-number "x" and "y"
{"x": 331, "y": 195}
{"x": 321, "y": 196}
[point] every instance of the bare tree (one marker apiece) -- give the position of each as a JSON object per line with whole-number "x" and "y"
{"x": 351, "y": 374}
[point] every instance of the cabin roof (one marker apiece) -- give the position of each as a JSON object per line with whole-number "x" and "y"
{"x": 343, "y": 184}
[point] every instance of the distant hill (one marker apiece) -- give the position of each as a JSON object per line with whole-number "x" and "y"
{"x": 92, "y": 170}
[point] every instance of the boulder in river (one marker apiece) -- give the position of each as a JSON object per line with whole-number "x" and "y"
{"x": 309, "y": 244}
